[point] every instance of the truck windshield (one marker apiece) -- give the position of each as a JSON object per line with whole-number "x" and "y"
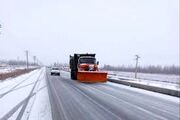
{"x": 87, "y": 60}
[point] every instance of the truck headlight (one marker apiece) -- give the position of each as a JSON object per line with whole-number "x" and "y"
{"x": 91, "y": 67}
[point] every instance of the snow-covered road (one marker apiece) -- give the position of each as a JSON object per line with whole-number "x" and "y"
{"x": 39, "y": 96}
{"x": 72, "y": 100}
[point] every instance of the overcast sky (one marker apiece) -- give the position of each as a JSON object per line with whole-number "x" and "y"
{"x": 115, "y": 30}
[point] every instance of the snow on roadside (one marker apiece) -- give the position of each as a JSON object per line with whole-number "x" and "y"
{"x": 41, "y": 109}
{"x": 163, "y": 81}
{"x": 149, "y": 83}
{"x": 150, "y": 93}
{"x": 148, "y": 76}
{"x": 15, "y": 114}
{"x": 14, "y": 97}
{"x": 7, "y": 84}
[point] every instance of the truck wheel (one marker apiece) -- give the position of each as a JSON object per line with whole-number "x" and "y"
{"x": 73, "y": 75}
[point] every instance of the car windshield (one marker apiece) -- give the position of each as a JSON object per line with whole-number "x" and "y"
{"x": 87, "y": 60}
{"x": 55, "y": 68}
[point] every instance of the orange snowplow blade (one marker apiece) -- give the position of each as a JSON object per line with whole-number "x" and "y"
{"x": 92, "y": 76}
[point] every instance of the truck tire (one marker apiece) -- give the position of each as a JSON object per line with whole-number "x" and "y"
{"x": 73, "y": 75}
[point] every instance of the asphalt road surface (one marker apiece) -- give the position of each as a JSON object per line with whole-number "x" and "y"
{"x": 72, "y": 100}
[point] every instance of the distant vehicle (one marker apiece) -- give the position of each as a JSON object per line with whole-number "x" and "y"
{"x": 55, "y": 71}
{"x": 84, "y": 68}
{"x": 48, "y": 66}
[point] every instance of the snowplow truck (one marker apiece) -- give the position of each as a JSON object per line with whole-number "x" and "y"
{"x": 84, "y": 68}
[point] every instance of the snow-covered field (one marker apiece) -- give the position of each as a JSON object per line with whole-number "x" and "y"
{"x": 25, "y": 97}
{"x": 9, "y": 69}
{"x": 159, "y": 80}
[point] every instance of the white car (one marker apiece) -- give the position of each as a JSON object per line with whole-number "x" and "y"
{"x": 55, "y": 71}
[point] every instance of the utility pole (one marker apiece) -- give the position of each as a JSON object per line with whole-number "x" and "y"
{"x": 18, "y": 58}
{"x": 27, "y": 61}
{"x": 136, "y": 69}
{"x": 0, "y": 27}
{"x": 34, "y": 58}
{"x": 18, "y": 63}
{"x": 37, "y": 62}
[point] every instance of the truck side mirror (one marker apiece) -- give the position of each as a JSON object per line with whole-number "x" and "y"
{"x": 97, "y": 62}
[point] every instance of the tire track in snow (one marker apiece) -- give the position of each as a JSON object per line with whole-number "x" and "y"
{"x": 16, "y": 107}
{"x": 14, "y": 87}
{"x": 28, "y": 98}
